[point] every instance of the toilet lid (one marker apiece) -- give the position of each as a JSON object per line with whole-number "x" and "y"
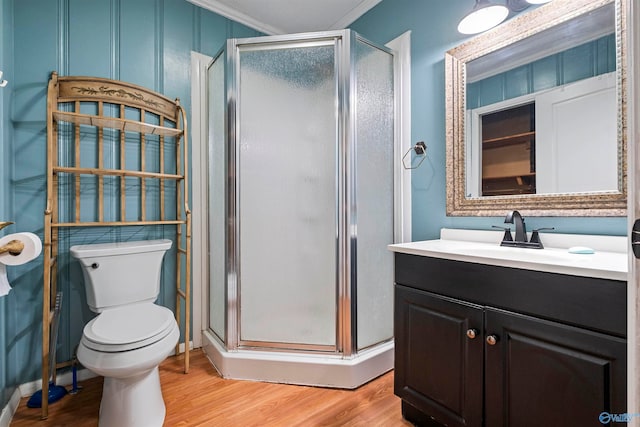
{"x": 129, "y": 327}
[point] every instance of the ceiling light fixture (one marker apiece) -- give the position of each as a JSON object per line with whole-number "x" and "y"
{"x": 486, "y": 15}
{"x": 483, "y": 16}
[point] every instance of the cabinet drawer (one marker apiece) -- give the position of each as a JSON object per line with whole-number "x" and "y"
{"x": 592, "y": 303}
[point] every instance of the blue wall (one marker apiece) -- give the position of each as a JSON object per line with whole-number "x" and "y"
{"x": 145, "y": 42}
{"x": 148, "y": 42}
{"x": 587, "y": 60}
{"x": 7, "y": 381}
{"x": 433, "y": 31}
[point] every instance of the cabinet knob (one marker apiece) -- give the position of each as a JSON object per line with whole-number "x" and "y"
{"x": 472, "y": 333}
{"x": 492, "y": 339}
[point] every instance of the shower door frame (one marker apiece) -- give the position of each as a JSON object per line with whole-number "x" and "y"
{"x": 234, "y": 281}
{"x": 346, "y": 236}
{"x": 207, "y": 338}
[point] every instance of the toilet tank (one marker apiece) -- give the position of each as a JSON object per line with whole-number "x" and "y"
{"x": 121, "y": 273}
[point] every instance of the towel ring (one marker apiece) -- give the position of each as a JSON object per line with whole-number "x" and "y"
{"x": 421, "y": 150}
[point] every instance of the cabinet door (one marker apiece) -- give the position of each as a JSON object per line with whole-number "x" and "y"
{"x": 438, "y": 368}
{"x": 541, "y": 373}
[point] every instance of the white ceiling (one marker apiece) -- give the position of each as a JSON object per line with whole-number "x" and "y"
{"x": 290, "y": 16}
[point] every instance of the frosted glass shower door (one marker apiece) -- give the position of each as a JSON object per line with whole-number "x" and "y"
{"x": 286, "y": 155}
{"x": 374, "y": 190}
{"x": 216, "y": 102}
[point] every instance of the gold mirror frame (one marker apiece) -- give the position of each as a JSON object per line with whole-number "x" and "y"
{"x": 612, "y": 203}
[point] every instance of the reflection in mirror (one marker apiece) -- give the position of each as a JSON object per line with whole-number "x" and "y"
{"x": 533, "y": 122}
{"x": 560, "y": 81}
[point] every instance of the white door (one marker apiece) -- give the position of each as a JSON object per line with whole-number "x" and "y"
{"x": 633, "y": 203}
{"x": 576, "y": 128}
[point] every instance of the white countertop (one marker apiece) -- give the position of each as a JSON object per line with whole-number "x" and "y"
{"x": 609, "y": 261}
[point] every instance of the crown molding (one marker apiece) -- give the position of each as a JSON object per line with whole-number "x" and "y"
{"x": 354, "y": 14}
{"x": 235, "y": 15}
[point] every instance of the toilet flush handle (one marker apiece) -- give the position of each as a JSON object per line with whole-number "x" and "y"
{"x": 95, "y": 265}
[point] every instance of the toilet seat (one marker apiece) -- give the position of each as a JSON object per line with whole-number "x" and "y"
{"x": 128, "y": 328}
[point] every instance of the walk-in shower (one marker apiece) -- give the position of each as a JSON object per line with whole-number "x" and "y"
{"x": 301, "y": 209}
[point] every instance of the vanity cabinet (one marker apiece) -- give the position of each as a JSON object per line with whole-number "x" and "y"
{"x": 438, "y": 369}
{"x": 482, "y": 345}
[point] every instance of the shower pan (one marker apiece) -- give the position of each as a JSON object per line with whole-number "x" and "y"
{"x": 301, "y": 209}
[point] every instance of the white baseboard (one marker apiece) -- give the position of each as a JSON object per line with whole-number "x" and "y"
{"x": 27, "y": 389}
{"x": 182, "y": 348}
{"x": 64, "y": 379}
{"x": 10, "y": 409}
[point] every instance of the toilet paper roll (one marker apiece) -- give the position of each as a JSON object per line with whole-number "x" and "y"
{"x": 4, "y": 282}
{"x": 32, "y": 248}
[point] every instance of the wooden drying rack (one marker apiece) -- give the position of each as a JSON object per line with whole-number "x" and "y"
{"x": 127, "y": 100}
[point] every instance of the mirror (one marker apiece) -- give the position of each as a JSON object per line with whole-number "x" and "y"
{"x": 534, "y": 114}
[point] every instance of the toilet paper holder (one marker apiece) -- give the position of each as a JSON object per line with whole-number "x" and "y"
{"x": 14, "y": 247}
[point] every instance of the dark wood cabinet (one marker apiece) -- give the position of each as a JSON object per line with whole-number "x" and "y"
{"x": 460, "y": 361}
{"x": 541, "y": 373}
{"x": 441, "y": 369}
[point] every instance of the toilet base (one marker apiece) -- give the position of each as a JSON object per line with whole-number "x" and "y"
{"x": 133, "y": 401}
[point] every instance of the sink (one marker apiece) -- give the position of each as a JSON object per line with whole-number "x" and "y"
{"x": 483, "y": 250}
{"x": 609, "y": 260}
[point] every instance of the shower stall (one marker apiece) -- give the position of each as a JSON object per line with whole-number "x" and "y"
{"x": 301, "y": 209}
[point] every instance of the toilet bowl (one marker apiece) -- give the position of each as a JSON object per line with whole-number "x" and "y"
{"x": 131, "y": 335}
{"x": 129, "y": 360}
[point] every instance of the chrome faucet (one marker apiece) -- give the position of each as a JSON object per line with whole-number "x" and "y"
{"x": 521, "y": 229}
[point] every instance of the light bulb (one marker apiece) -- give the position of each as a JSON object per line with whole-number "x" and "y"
{"x": 483, "y": 17}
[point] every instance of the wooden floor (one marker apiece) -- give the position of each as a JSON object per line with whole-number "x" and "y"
{"x": 202, "y": 398}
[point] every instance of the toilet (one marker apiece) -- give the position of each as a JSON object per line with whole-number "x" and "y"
{"x": 131, "y": 335}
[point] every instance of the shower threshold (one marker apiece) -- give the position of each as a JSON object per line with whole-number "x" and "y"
{"x": 300, "y": 368}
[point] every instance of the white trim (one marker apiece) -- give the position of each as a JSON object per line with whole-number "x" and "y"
{"x": 401, "y": 46}
{"x": 10, "y": 409}
{"x": 633, "y": 150}
{"x": 64, "y": 379}
{"x": 181, "y": 348}
{"x": 236, "y": 15}
{"x": 241, "y": 17}
{"x": 200, "y": 274}
{"x": 355, "y": 13}
{"x": 27, "y": 389}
